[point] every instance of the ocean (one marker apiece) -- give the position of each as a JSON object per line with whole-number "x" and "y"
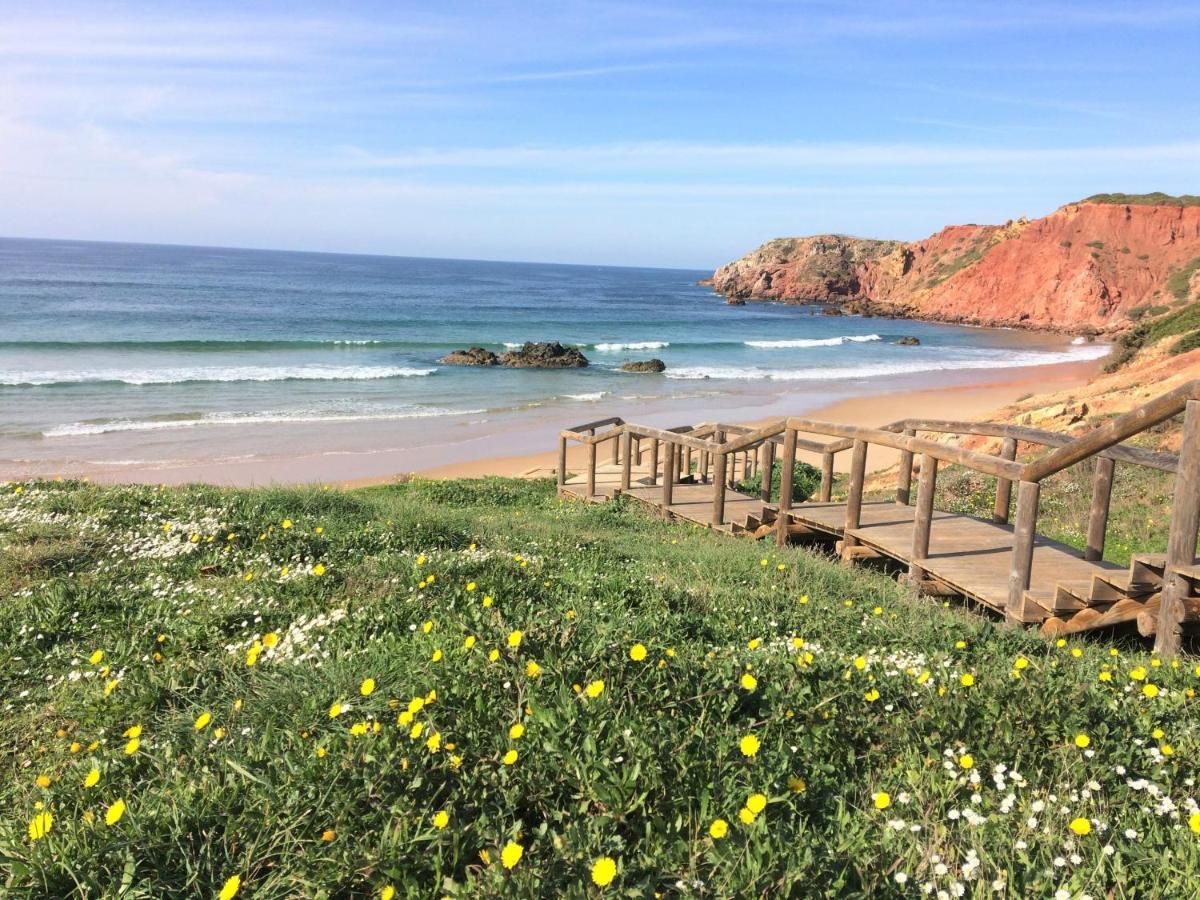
{"x": 251, "y": 365}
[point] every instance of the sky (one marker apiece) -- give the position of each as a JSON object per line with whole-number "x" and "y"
{"x": 679, "y": 134}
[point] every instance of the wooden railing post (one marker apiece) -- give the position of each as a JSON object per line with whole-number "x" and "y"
{"x": 826, "y": 477}
{"x": 904, "y": 487}
{"x": 788, "y": 469}
{"x": 616, "y": 449}
{"x": 923, "y": 519}
{"x": 687, "y": 463}
{"x": 626, "y": 461}
{"x": 653, "y": 461}
{"x": 591, "y": 469}
{"x": 669, "y": 473}
{"x": 718, "y": 514}
{"x": 1008, "y": 450}
{"x": 1102, "y": 485}
{"x": 637, "y": 449}
{"x": 858, "y": 474}
{"x": 705, "y": 456}
{"x": 1181, "y": 543}
{"x": 562, "y": 461}
{"x": 767, "y": 469}
{"x": 1024, "y": 534}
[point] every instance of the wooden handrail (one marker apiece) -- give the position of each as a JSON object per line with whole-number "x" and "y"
{"x": 1110, "y": 433}
{"x": 982, "y": 462}
{"x": 1165, "y": 462}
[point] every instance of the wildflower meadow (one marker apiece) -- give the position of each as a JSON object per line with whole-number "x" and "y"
{"x": 478, "y": 689}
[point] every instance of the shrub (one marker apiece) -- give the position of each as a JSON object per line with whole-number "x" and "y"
{"x": 805, "y": 481}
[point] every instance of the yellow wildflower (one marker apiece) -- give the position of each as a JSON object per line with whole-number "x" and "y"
{"x": 595, "y": 689}
{"x": 1150, "y": 690}
{"x": 92, "y": 778}
{"x": 511, "y": 854}
{"x": 510, "y": 757}
{"x": 749, "y": 745}
{"x": 202, "y": 721}
{"x": 514, "y": 639}
{"x": 883, "y": 800}
{"x": 637, "y": 653}
{"x": 114, "y": 813}
{"x": 516, "y": 732}
{"x": 441, "y": 819}
{"x": 335, "y": 710}
{"x": 230, "y": 888}
{"x": 756, "y": 803}
{"x": 318, "y": 569}
{"x": 40, "y": 825}
{"x": 132, "y": 746}
{"x": 749, "y": 682}
{"x": 532, "y": 669}
{"x": 42, "y": 781}
{"x": 367, "y": 688}
{"x": 96, "y": 658}
{"x": 967, "y": 679}
{"x": 718, "y": 829}
{"x": 747, "y": 815}
{"x": 604, "y": 870}
{"x": 1082, "y": 741}
{"x": 1081, "y": 826}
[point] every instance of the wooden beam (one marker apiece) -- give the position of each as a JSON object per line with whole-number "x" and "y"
{"x": 668, "y": 485}
{"x": 1102, "y": 484}
{"x": 787, "y": 471}
{"x": 858, "y": 472}
{"x": 923, "y": 518}
{"x": 1024, "y": 535}
{"x": 562, "y": 461}
{"x": 591, "y": 470}
{"x": 768, "y": 470}
{"x": 654, "y": 460}
{"x": 1008, "y": 450}
{"x": 718, "y": 514}
{"x": 906, "y": 466}
{"x": 626, "y": 461}
{"x": 826, "y": 476}
{"x": 1181, "y": 541}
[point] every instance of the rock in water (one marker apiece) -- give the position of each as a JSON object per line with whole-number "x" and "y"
{"x": 644, "y": 365}
{"x": 473, "y": 356}
{"x": 909, "y": 341}
{"x": 544, "y": 355}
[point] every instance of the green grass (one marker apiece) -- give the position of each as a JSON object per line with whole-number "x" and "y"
{"x": 1179, "y": 280}
{"x": 805, "y": 481}
{"x": 1157, "y": 198}
{"x": 858, "y": 691}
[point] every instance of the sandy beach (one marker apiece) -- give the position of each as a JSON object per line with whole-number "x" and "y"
{"x": 969, "y": 402}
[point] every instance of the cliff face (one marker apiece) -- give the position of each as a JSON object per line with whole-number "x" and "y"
{"x": 1083, "y": 267}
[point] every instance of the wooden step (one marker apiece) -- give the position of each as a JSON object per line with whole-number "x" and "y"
{"x": 1073, "y": 594}
{"x": 1191, "y": 573}
{"x": 1147, "y": 568}
{"x": 1109, "y": 587}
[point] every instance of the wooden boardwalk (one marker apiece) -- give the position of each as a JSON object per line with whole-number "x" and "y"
{"x": 1008, "y": 568}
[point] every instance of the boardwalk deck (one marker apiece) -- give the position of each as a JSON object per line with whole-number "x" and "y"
{"x": 1008, "y": 568}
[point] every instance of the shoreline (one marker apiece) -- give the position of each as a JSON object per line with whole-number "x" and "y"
{"x": 963, "y": 402}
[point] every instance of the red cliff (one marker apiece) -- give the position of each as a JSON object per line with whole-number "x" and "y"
{"x": 1083, "y": 267}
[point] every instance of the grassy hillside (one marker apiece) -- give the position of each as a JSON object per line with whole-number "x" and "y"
{"x": 1156, "y": 198}
{"x": 475, "y": 689}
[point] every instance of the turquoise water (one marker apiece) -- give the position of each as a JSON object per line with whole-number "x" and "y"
{"x": 118, "y": 355}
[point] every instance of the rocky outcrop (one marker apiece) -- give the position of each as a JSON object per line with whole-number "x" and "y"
{"x": 645, "y": 365}
{"x": 822, "y": 268}
{"x": 473, "y": 356}
{"x": 1083, "y": 268}
{"x": 542, "y": 355}
{"x": 909, "y": 341}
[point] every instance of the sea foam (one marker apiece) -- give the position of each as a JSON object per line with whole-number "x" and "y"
{"x": 210, "y": 373}
{"x": 814, "y": 342}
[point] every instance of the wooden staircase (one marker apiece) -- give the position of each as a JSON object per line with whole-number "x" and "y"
{"x": 1008, "y": 568}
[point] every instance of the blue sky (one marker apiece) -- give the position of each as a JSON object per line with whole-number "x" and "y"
{"x": 636, "y": 133}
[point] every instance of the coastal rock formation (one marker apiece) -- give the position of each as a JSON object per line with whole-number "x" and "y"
{"x": 544, "y": 355}
{"x": 909, "y": 341}
{"x": 1083, "y": 268}
{"x": 645, "y": 365}
{"x": 473, "y": 356}
{"x": 822, "y": 268}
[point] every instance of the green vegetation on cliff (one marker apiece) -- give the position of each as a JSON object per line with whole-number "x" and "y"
{"x": 1157, "y": 198}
